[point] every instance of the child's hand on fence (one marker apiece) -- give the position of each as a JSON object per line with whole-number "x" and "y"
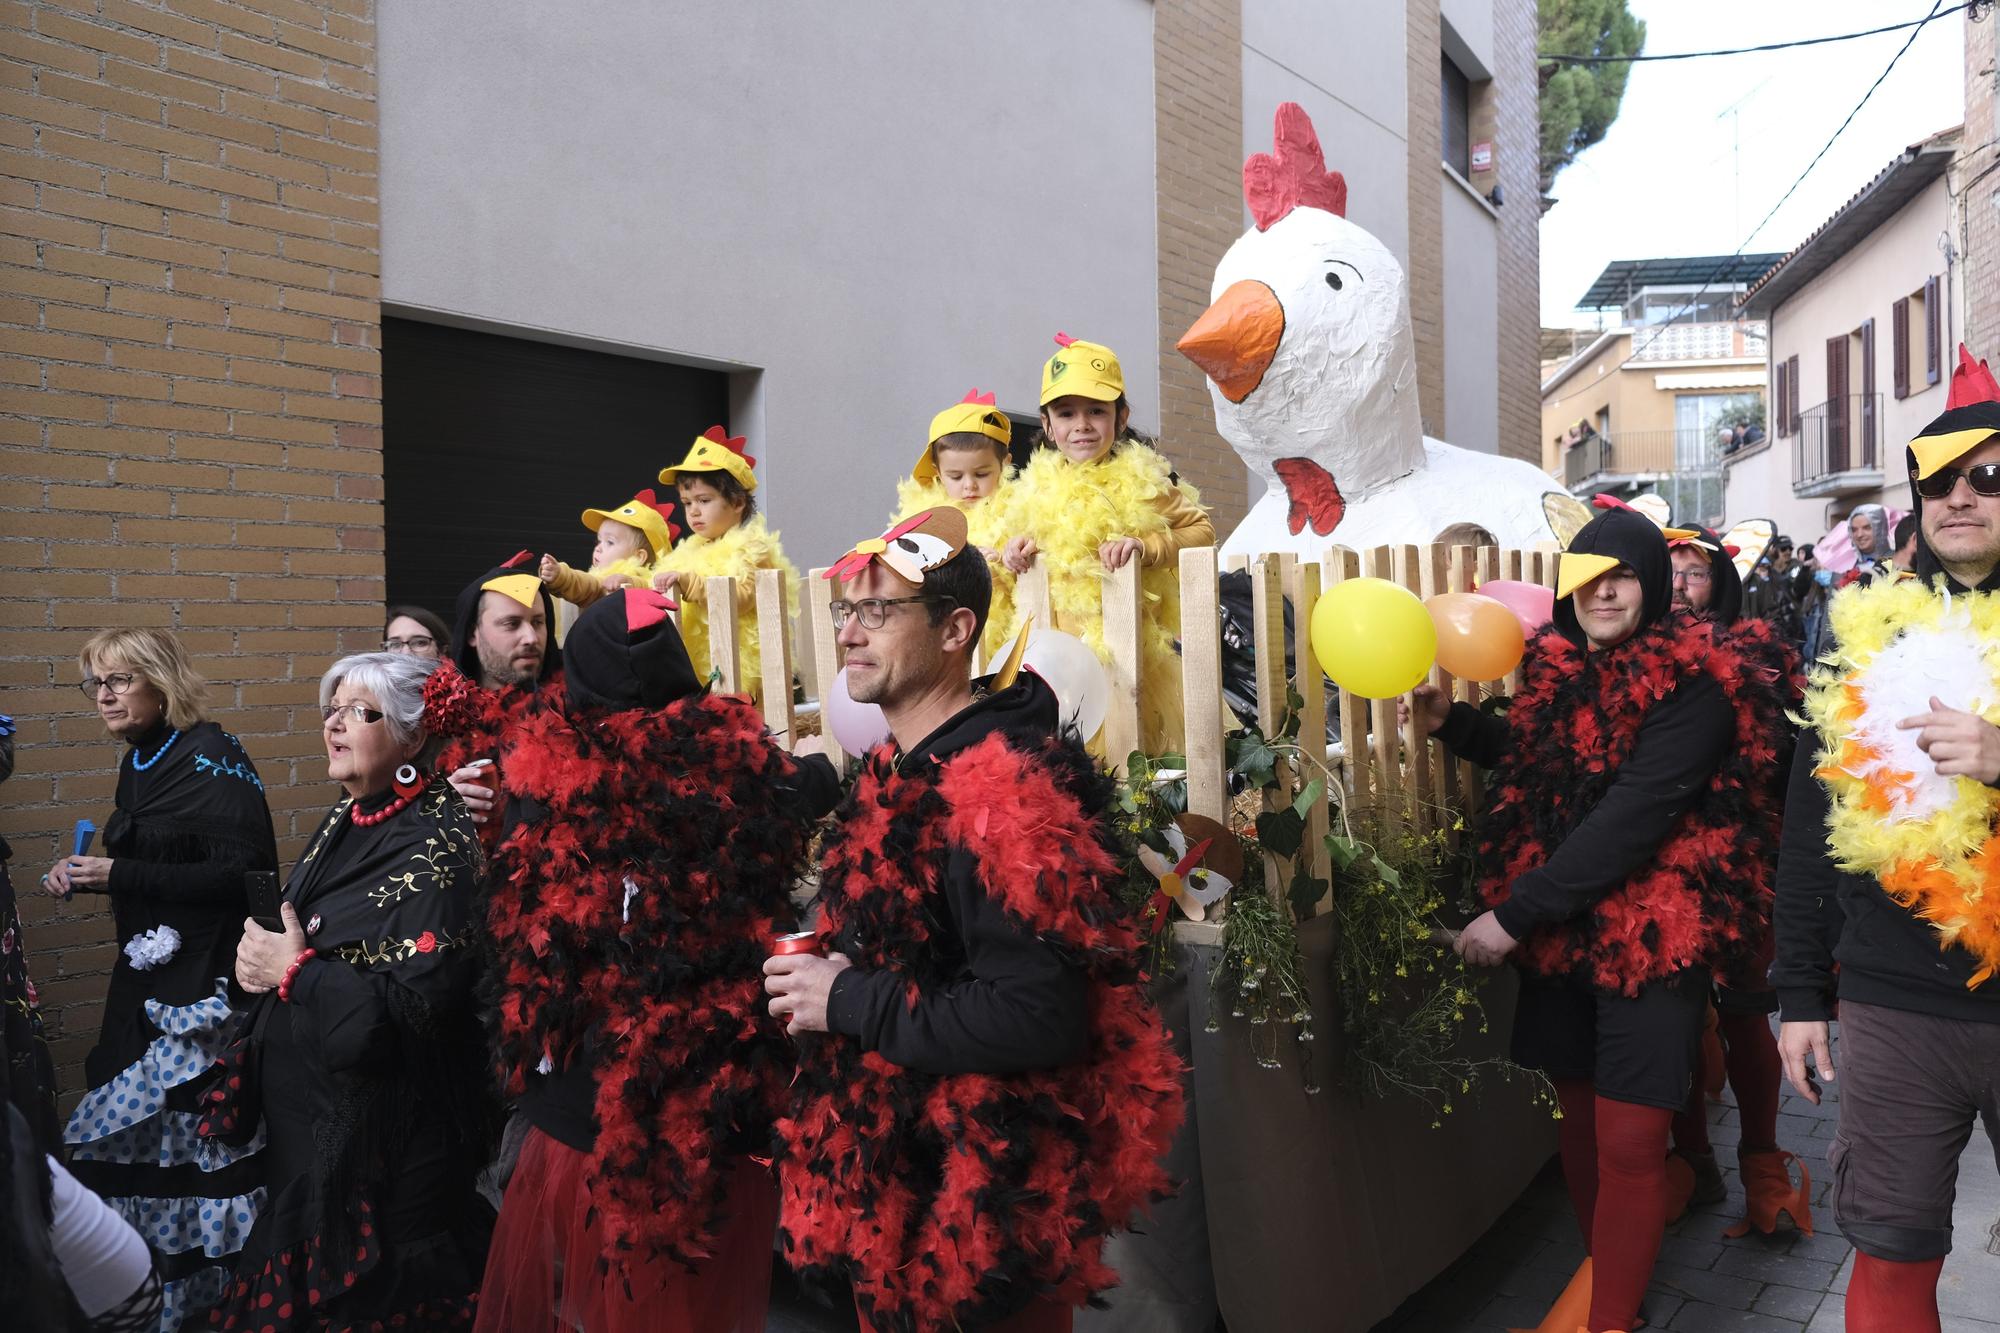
{"x": 547, "y": 569}
{"x": 663, "y": 581}
{"x": 1019, "y": 554}
{"x": 1115, "y": 553}
{"x": 1428, "y": 704}
{"x": 613, "y": 582}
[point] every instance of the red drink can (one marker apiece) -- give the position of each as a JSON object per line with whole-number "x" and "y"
{"x": 799, "y": 941}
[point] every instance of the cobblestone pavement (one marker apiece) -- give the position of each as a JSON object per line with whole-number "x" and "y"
{"x": 1787, "y": 1283}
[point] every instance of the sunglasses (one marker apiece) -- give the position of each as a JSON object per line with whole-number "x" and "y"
{"x": 1983, "y": 478}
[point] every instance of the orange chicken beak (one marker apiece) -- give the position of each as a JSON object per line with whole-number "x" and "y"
{"x": 1234, "y": 340}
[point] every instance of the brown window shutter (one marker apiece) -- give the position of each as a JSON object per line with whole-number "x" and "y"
{"x": 1780, "y": 391}
{"x": 1899, "y": 346}
{"x": 1868, "y": 423}
{"x": 1792, "y": 374}
{"x": 1932, "y": 351}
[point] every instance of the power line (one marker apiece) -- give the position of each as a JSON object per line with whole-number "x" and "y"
{"x": 1753, "y": 50}
{"x": 1637, "y": 347}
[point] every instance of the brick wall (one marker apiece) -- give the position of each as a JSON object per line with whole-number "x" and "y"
{"x": 1978, "y": 207}
{"x": 1516, "y": 133}
{"x": 1198, "y": 162}
{"x": 190, "y": 416}
{"x": 1426, "y": 185}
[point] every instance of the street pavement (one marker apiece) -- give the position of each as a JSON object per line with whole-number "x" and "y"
{"x": 1787, "y": 1283}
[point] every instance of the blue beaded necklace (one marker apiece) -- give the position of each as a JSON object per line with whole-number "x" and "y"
{"x": 140, "y": 766}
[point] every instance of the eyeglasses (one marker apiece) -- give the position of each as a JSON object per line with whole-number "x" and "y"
{"x": 416, "y": 643}
{"x": 356, "y": 713}
{"x": 1983, "y": 478}
{"x": 874, "y": 611}
{"x": 119, "y": 681}
{"x": 1694, "y": 578}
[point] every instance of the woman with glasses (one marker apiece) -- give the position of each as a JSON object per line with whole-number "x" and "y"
{"x": 360, "y": 1065}
{"x": 413, "y": 630}
{"x": 189, "y": 822}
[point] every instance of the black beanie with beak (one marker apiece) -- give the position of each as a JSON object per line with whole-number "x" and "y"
{"x": 1618, "y": 536}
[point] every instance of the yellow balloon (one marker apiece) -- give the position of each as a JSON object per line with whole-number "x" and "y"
{"x": 1374, "y": 638}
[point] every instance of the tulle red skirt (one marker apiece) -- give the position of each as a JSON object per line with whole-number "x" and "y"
{"x": 542, "y": 1274}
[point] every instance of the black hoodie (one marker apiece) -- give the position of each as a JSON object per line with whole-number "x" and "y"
{"x": 1016, "y": 1003}
{"x": 1725, "y": 585}
{"x": 465, "y": 618}
{"x": 1636, "y": 542}
{"x": 1887, "y": 956}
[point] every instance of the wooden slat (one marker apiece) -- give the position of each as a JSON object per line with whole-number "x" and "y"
{"x": 722, "y": 633}
{"x": 1201, "y": 684}
{"x": 1302, "y": 583}
{"x": 1031, "y": 594}
{"x": 1513, "y": 568}
{"x": 1235, "y": 564}
{"x": 1434, "y": 579}
{"x": 825, "y": 652}
{"x": 1121, "y": 637}
{"x": 1415, "y": 756}
{"x": 1267, "y": 619}
{"x": 774, "y": 639}
{"x": 1475, "y": 780}
{"x": 1393, "y": 791}
{"x": 1338, "y": 565}
{"x": 1460, "y": 576}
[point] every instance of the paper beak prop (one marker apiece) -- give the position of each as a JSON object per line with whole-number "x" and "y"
{"x": 1566, "y": 515}
{"x": 1010, "y": 666}
{"x": 1208, "y": 861}
{"x": 1748, "y": 542}
{"x": 1236, "y": 339}
{"x": 909, "y": 550}
{"x": 525, "y": 588}
{"x": 1573, "y": 571}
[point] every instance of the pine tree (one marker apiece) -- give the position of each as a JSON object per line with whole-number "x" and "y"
{"x": 1579, "y": 102}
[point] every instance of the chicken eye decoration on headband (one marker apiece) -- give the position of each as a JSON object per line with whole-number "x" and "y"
{"x": 909, "y": 550}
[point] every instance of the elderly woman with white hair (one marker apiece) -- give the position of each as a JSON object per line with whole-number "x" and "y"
{"x": 362, "y": 1062}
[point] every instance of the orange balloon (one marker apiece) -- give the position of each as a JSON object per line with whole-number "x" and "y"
{"x": 1478, "y": 637}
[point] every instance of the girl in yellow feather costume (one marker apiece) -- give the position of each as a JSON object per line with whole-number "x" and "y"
{"x": 1098, "y": 499}
{"x": 727, "y": 539}
{"x": 965, "y": 465}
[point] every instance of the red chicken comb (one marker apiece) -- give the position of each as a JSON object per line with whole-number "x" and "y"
{"x": 518, "y": 560}
{"x": 1611, "y": 502}
{"x": 979, "y": 399}
{"x": 1294, "y": 174}
{"x": 855, "y": 561}
{"x": 1063, "y": 339}
{"x": 733, "y": 443}
{"x": 1971, "y": 382}
{"x": 647, "y": 498}
{"x": 645, "y": 608}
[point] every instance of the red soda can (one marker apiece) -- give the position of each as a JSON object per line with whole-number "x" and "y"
{"x": 799, "y": 941}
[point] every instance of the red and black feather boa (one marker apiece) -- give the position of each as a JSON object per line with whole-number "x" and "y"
{"x": 629, "y": 915}
{"x": 949, "y": 1201}
{"x": 477, "y": 721}
{"x": 1704, "y": 897}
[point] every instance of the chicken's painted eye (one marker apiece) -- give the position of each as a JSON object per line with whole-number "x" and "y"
{"x": 1333, "y": 279}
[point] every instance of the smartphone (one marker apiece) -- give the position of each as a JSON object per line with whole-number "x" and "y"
{"x": 262, "y": 888}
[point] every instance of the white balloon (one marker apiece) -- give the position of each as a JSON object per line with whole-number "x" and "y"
{"x": 1083, "y": 691}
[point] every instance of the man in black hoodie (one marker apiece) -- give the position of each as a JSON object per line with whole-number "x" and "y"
{"x": 1918, "y": 1003}
{"x": 984, "y": 1089}
{"x": 501, "y": 633}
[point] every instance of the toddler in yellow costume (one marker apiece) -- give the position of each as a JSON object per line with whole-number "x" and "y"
{"x": 966, "y": 465}
{"x": 1098, "y": 499}
{"x": 726, "y": 538}
{"x": 630, "y": 539}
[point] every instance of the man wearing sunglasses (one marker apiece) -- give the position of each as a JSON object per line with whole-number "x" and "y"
{"x": 976, "y": 1029}
{"x": 1871, "y": 878}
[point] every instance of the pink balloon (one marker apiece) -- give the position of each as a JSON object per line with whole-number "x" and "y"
{"x": 1532, "y": 604}
{"x": 858, "y": 727}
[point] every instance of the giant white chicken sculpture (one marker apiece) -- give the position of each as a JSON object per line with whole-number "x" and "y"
{"x": 1312, "y": 366}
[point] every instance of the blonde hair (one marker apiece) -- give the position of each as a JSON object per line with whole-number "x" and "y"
{"x": 1465, "y": 534}
{"x": 157, "y": 655}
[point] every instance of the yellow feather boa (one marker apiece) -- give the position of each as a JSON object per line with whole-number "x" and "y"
{"x": 1070, "y": 510}
{"x": 1929, "y": 841}
{"x": 985, "y": 525}
{"x": 738, "y": 554}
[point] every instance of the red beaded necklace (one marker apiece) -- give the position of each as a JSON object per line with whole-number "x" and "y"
{"x": 397, "y": 806}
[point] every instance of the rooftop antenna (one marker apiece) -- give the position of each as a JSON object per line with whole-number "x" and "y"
{"x": 1735, "y": 113}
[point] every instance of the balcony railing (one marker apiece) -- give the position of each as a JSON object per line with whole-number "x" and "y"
{"x": 1838, "y": 447}
{"x": 1685, "y": 466}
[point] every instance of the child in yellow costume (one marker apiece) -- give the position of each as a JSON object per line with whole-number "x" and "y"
{"x": 726, "y": 538}
{"x": 966, "y": 465}
{"x": 630, "y": 540}
{"x": 1098, "y": 499}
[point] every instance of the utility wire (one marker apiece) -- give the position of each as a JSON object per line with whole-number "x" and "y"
{"x": 1752, "y": 50}
{"x": 1937, "y": 11}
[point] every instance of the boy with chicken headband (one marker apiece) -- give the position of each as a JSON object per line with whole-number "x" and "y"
{"x": 1617, "y": 850}
{"x": 965, "y": 465}
{"x": 727, "y": 538}
{"x": 1096, "y": 500}
{"x": 1887, "y": 894}
{"x": 630, "y": 539}
{"x": 984, "y": 1090}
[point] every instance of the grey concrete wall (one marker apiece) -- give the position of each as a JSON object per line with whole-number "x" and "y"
{"x": 1471, "y": 317}
{"x": 874, "y": 208}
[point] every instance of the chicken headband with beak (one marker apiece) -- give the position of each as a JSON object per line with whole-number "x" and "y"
{"x": 1618, "y": 536}
{"x": 523, "y": 588}
{"x": 976, "y": 414}
{"x": 911, "y": 549}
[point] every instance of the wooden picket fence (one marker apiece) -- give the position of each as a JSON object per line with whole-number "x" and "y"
{"x": 1391, "y": 773}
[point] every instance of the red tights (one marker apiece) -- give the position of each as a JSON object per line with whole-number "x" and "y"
{"x": 1884, "y": 1296}
{"x": 1750, "y": 1054}
{"x": 1616, "y": 1150}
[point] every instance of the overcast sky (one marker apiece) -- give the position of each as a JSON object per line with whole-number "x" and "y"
{"x": 1682, "y": 173}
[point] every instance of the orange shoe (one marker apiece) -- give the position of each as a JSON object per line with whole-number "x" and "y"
{"x": 1572, "y": 1308}
{"x": 1768, "y": 1192}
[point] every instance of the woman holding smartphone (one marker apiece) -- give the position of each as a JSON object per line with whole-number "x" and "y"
{"x": 361, "y": 1066}
{"x": 190, "y": 822}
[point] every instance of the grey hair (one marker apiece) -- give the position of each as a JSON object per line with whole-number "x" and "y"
{"x": 395, "y": 679}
